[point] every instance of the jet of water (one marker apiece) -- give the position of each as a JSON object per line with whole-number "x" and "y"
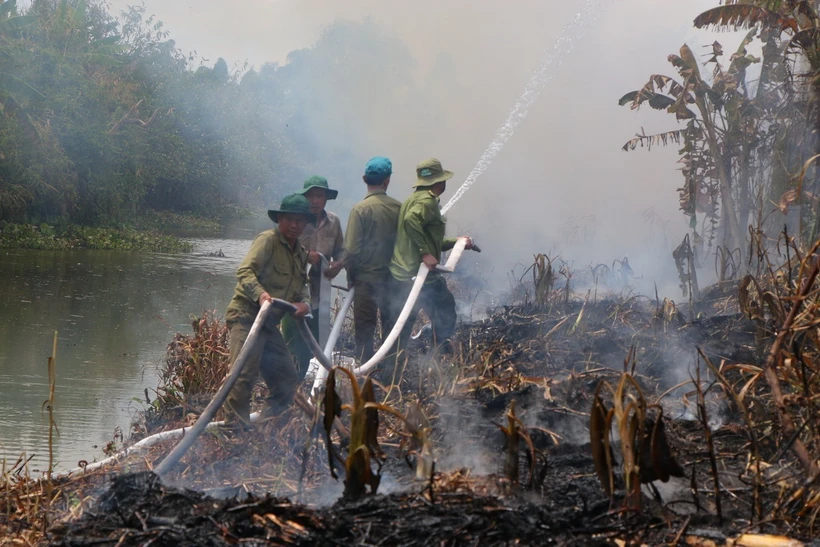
{"x": 553, "y": 59}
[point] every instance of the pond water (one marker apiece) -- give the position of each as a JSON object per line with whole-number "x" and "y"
{"x": 115, "y": 313}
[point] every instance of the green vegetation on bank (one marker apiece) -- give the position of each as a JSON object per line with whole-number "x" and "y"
{"x": 104, "y": 121}
{"x": 44, "y": 236}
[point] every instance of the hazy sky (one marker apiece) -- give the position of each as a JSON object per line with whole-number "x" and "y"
{"x": 564, "y": 161}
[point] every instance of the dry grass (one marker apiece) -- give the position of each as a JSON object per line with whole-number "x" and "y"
{"x": 779, "y": 397}
{"x": 194, "y": 368}
{"x": 29, "y": 507}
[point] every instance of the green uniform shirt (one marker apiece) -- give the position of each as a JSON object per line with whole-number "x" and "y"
{"x": 420, "y": 232}
{"x": 271, "y": 266}
{"x": 370, "y": 237}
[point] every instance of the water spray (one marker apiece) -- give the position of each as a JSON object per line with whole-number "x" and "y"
{"x": 553, "y": 59}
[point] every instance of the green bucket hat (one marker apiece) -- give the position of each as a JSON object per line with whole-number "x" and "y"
{"x": 430, "y": 172}
{"x": 319, "y": 182}
{"x": 295, "y": 204}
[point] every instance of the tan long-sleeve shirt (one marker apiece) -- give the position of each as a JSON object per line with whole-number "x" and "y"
{"x": 271, "y": 266}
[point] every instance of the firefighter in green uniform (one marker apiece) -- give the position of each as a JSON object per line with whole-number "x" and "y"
{"x": 369, "y": 241}
{"x": 275, "y": 267}
{"x": 420, "y": 239}
{"x": 323, "y": 235}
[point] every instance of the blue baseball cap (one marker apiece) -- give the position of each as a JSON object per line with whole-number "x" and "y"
{"x": 378, "y": 169}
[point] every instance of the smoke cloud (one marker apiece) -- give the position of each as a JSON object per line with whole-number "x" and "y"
{"x": 454, "y": 70}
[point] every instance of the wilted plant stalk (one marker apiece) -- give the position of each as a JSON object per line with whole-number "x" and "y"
{"x": 707, "y": 431}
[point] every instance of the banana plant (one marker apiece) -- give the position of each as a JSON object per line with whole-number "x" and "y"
{"x": 416, "y": 440}
{"x": 743, "y": 138}
{"x": 363, "y": 446}
{"x": 515, "y": 432}
{"x": 646, "y": 455}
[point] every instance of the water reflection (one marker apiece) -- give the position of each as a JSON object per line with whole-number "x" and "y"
{"x": 115, "y": 313}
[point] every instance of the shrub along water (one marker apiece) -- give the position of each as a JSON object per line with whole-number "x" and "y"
{"x": 44, "y": 236}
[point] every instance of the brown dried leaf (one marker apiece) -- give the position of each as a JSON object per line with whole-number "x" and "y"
{"x": 511, "y": 463}
{"x": 358, "y": 474}
{"x": 333, "y": 408}
{"x": 662, "y": 459}
{"x": 743, "y": 16}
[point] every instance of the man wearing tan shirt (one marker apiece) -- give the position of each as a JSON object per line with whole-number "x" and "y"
{"x": 320, "y": 238}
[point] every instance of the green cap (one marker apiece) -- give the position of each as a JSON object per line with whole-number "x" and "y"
{"x": 318, "y": 182}
{"x": 295, "y": 204}
{"x": 430, "y": 172}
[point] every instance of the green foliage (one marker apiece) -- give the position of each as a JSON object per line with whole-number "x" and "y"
{"x": 46, "y": 236}
{"x": 103, "y": 121}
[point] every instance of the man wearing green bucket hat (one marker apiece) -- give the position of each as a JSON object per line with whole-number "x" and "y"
{"x": 322, "y": 237}
{"x": 369, "y": 241}
{"x": 420, "y": 240}
{"x": 275, "y": 267}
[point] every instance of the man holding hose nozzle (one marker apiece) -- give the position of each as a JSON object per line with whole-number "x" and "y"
{"x": 420, "y": 239}
{"x": 275, "y": 267}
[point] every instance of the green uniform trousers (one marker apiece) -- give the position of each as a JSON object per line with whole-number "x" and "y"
{"x": 271, "y": 359}
{"x": 296, "y": 344}
{"x": 369, "y": 300}
{"x": 437, "y": 302}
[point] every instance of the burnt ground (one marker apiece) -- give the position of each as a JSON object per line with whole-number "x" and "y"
{"x": 240, "y": 488}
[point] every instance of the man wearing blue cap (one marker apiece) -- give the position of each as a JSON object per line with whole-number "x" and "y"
{"x": 369, "y": 241}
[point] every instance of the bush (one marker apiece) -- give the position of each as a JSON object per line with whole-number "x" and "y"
{"x": 195, "y": 366}
{"x": 47, "y": 237}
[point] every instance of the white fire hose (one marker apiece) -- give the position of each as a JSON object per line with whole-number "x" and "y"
{"x": 388, "y": 342}
{"x": 324, "y": 302}
{"x": 418, "y": 284}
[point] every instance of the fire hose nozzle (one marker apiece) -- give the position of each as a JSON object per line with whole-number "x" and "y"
{"x": 473, "y": 246}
